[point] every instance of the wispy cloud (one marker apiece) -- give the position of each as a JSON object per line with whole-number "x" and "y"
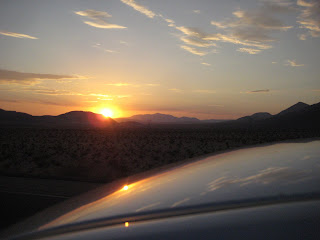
{"x": 119, "y": 84}
{"x": 234, "y": 40}
{"x": 249, "y": 50}
{"x": 98, "y": 19}
{"x": 206, "y": 64}
{"x": 204, "y": 91}
{"x": 191, "y": 32}
{"x": 303, "y": 36}
{"x": 191, "y": 36}
{"x": 63, "y": 102}
{"x": 309, "y": 18}
{"x": 176, "y": 90}
{"x": 140, "y": 8}
{"x": 260, "y": 91}
{"x": 14, "y": 77}
{"x": 58, "y": 92}
{"x": 16, "y": 35}
{"x": 293, "y": 63}
{"x": 54, "y": 92}
{"x": 197, "y": 11}
{"x": 124, "y": 43}
{"x": 215, "y": 105}
{"x": 194, "y": 37}
{"x": 99, "y": 46}
{"x": 170, "y": 22}
{"x": 198, "y": 42}
{"x": 193, "y": 50}
{"x": 253, "y": 27}
{"x": 133, "y": 85}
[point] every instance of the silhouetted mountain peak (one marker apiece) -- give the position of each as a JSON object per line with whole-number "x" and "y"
{"x": 256, "y": 116}
{"x": 294, "y": 108}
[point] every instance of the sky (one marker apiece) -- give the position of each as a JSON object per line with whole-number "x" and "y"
{"x": 210, "y": 59}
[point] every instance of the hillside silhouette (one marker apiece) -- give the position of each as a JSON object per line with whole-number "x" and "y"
{"x": 69, "y": 119}
{"x": 300, "y": 116}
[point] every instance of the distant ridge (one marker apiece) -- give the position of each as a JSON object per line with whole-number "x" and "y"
{"x": 69, "y": 119}
{"x": 256, "y": 116}
{"x": 159, "y": 118}
{"x": 298, "y": 116}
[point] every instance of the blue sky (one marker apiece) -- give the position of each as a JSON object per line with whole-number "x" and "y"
{"x": 205, "y": 59}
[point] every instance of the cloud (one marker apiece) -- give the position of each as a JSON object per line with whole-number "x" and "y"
{"x": 195, "y": 41}
{"x": 14, "y": 77}
{"x": 124, "y": 43}
{"x": 191, "y": 36}
{"x": 204, "y": 91}
{"x": 98, "y": 96}
{"x": 119, "y": 84}
{"x": 215, "y": 105}
{"x": 56, "y": 92}
{"x": 197, "y": 11}
{"x": 259, "y": 91}
{"x": 253, "y": 27}
{"x": 302, "y": 37}
{"x": 293, "y": 63}
{"x": 170, "y": 21}
{"x": 42, "y": 101}
{"x": 192, "y": 32}
{"x": 98, "y": 46}
{"x": 16, "y": 35}
{"x": 219, "y": 24}
{"x": 206, "y": 64}
{"x": 140, "y": 8}
{"x": 232, "y": 39}
{"x": 194, "y": 37}
{"x": 133, "y": 85}
{"x": 309, "y": 17}
{"x": 249, "y": 50}
{"x": 176, "y": 90}
{"x": 106, "y": 96}
{"x": 98, "y": 19}
{"x": 193, "y": 50}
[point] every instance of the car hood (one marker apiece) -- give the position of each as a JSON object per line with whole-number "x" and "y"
{"x": 277, "y": 170}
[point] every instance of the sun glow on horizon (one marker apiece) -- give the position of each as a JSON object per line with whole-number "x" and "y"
{"x": 107, "y": 112}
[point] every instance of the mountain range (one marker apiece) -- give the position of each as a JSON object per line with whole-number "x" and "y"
{"x": 300, "y": 115}
{"x": 70, "y": 119}
{"x": 158, "y": 118}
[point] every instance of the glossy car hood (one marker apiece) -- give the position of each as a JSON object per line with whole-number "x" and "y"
{"x": 282, "y": 169}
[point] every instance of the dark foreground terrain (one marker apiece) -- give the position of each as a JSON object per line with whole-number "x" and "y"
{"x": 103, "y": 155}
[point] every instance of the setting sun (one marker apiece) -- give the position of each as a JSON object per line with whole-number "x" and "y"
{"x": 107, "y": 112}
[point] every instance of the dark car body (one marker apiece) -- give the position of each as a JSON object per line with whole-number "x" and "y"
{"x": 262, "y": 192}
